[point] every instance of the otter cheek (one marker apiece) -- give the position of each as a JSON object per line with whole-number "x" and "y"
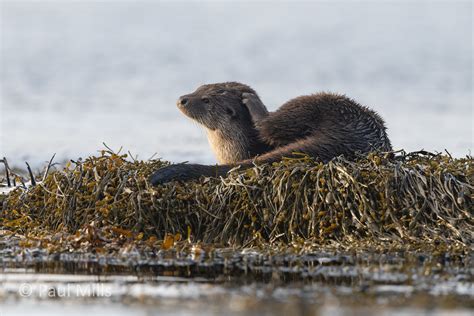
{"x": 210, "y": 121}
{"x": 200, "y": 114}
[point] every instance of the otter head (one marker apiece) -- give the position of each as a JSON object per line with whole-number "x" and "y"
{"x": 217, "y": 106}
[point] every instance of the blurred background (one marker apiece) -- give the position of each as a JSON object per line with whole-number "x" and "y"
{"x": 76, "y": 74}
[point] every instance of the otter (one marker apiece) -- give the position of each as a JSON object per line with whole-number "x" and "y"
{"x": 242, "y": 131}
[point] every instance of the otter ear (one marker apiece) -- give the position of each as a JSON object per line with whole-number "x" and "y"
{"x": 231, "y": 112}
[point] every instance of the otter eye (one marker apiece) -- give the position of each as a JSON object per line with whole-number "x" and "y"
{"x": 205, "y": 100}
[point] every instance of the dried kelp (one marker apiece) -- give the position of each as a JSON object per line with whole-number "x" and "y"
{"x": 379, "y": 200}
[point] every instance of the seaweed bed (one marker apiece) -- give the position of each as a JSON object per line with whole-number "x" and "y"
{"x": 384, "y": 225}
{"x": 382, "y": 201}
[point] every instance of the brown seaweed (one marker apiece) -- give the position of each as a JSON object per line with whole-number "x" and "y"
{"x": 380, "y": 201}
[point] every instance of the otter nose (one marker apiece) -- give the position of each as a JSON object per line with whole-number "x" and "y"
{"x": 182, "y": 101}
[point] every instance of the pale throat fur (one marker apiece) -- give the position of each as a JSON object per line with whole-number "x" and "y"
{"x": 228, "y": 148}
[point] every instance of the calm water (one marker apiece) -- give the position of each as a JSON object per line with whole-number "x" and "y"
{"x": 144, "y": 297}
{"x": 229, "y": 282}
{"x": 75, "y": 75}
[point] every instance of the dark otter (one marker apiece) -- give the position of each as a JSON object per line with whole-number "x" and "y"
{"x": 241, "y": 130}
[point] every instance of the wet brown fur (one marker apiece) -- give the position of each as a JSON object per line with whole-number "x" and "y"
{"x": 241, "y": 130}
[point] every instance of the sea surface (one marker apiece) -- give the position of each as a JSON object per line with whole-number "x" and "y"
{"x": 233, "y": 282}
{"x": 77, "y": 74}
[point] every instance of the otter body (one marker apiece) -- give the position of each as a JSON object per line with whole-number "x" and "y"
{"x": 240, "y": 129}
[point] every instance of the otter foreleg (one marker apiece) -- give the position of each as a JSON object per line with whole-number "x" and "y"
{"x": 320, "y": 148}
{"x": 185, "y": 172}
{"x": 256, "y": 108}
